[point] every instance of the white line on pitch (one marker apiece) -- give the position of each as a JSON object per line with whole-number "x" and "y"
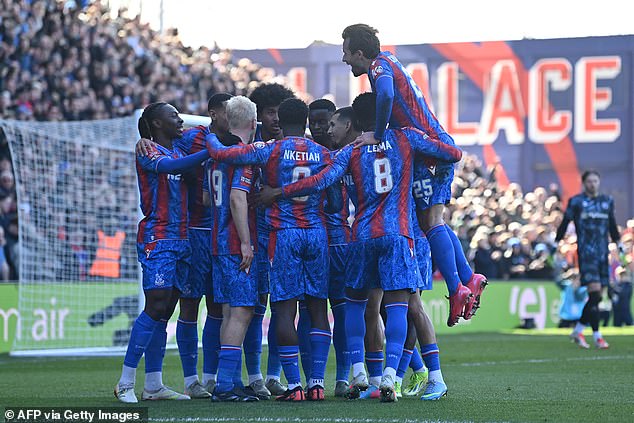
{"x": 540, "y": 360}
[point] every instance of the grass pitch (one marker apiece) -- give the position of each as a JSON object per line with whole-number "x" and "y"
{"x": 491, "y": 377}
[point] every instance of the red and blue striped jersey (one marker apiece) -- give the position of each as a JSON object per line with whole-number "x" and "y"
{"x": 163, "y": 198}
{"x": 337, "y": 224}
{"x": 193, "y": 141}
{"x": 379, "y": 180}
{"x": 221, "y": 179}
{"x": 283, "y": 162}
{"x": 263, "y": 227}
{"x": 409, "y": 108}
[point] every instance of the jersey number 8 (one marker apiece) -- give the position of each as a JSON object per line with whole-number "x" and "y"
{"x": 382, "y": 176}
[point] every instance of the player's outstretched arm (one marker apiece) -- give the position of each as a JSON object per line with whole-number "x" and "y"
{"x": 567, "y": 218}
{"x": 319, "y": 182}
{"x": 612, "y": 226}
{"x": 384, "y": 87}
{"x": 156, "y": 162}
{"x": 241, "y": 155}
{"x": 422, "y": 144}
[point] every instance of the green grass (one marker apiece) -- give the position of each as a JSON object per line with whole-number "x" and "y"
{"x": 491, "y": 377}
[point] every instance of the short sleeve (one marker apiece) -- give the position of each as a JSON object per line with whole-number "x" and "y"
{"x": 242, "y": 178}
{"x": 150, "y": 162}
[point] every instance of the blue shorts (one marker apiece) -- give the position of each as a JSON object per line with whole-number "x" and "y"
{"x": 231, "y": 285}
{"x": 423, "y": 259}
{"x": 432, "y": 188}
{"x": 594, "y": 269}
{"x": 387, "y": 262}
{"x": 337, "y": 284}
{"x": 262, "y": 261}
{"x": 199, "y": 279}
{"x": 165, "y": 264}
{"x": 299, "y": 263}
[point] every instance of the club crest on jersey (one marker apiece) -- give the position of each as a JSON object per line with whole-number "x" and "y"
{"x": 604, "y": 205}
{"x": 377, "y": 71}
{"x": 259, "y": 144}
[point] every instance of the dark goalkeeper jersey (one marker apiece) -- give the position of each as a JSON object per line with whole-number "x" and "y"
{"x": 594, "y": 221}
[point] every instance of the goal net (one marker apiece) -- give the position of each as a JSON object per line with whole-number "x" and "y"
{"x": 77, "y": 215}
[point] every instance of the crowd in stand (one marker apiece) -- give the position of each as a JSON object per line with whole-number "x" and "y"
{"x": 71, "y": 63}
{"x": 62, "y": 63}
{"x": 510, "y": 234}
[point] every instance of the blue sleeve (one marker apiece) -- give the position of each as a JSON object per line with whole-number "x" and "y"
{"x": 334, "y": 199}
{"x": 384, "y": 88}
{"x": 257, "y": 153}
{"x": 177, "y": 166}
{"x": 319, "y": 182}
{"x": 149, "y": 163}
{"x": 429, "y": 147}
{"x": 185, "y": 142}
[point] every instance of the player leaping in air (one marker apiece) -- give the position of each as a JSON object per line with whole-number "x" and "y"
{"x": 400, "y": 103}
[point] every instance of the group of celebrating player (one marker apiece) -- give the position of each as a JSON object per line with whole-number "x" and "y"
{"x": 240, "y": 219}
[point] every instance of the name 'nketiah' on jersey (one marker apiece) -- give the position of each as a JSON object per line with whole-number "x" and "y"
{"x": 283, "y": 162}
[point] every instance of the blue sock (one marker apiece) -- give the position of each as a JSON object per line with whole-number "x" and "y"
{"x": 339, "y": 341}
{"x": 442, "y": 253}
{"x": 273, "y": 365}
{"x": 355, "y": 329}
{"x": 430, "y": 356}
{"x": 303, "y": 330}
{"x": 464, "y": 270}
{"x": 228, "y": 359}
{"x": 211, "y": 344}
{"x": 374, "y": 363}
{"x": 187, "y": 340}
{"x": 253, "y": 342}
{"x": 140, "y": 337}
{"x": 155, "y": 350}
{"x": 395, "y": 333}
{"x": 237, "y": 375}
{"x": 404, "y": 363}
{"x": 320, "y": 347}
{"x": 289, "y": 356}
{"x": 416, "y": 363}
